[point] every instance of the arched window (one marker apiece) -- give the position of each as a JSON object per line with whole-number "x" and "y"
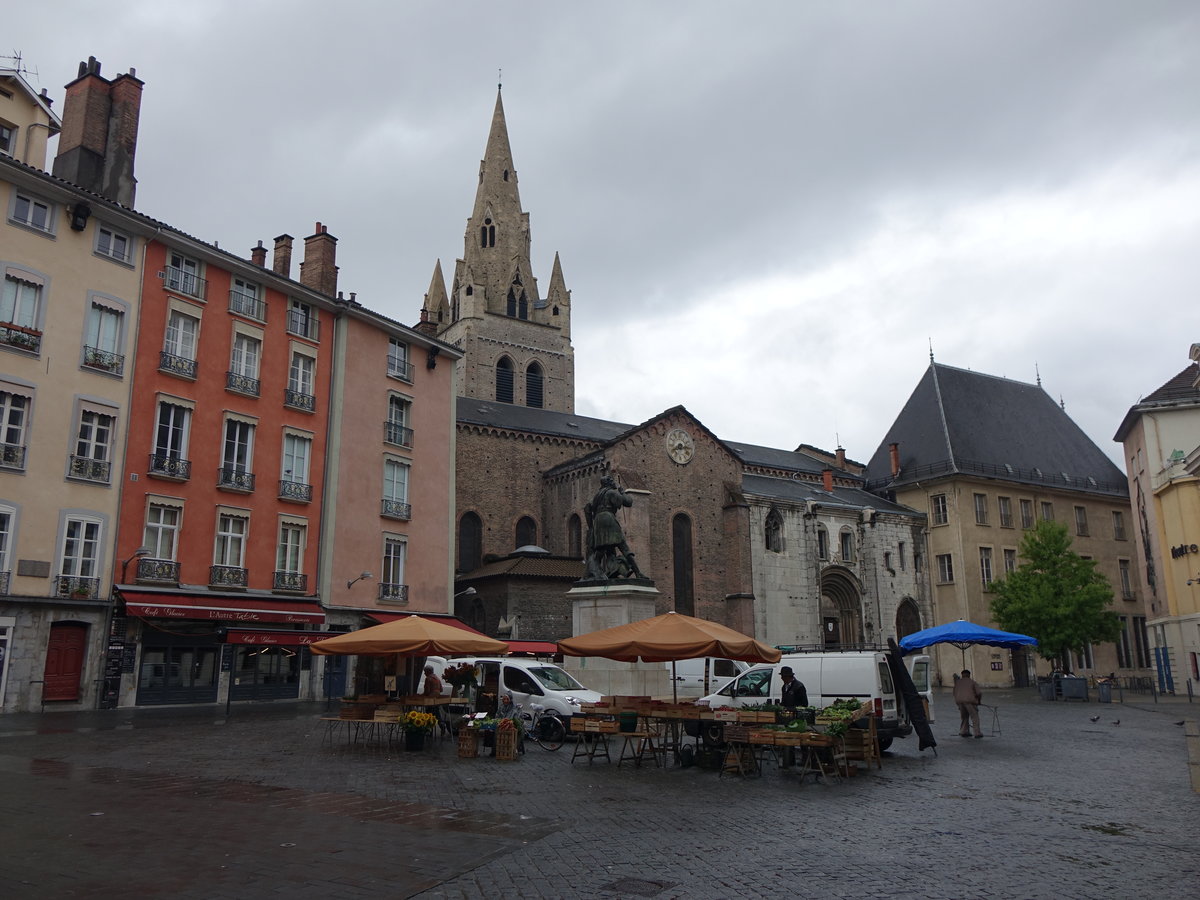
{"x": 574, "y": 536}
{"x": 470, "y": 542}
{"x": 510, "y": 308}
{"x": 908, "y": 618}
{"x": 774, "y": 531}
{"x": 846, "y": 545}
{"x": 523, "y": 306}
{"x": 534, "y": 386}
{"x": 526, "y": 532}
{"x": 504, "y": 380}
{"x": 822, "y": 542}
{"x": 487, "y": 233}
{"x": 681, "y": 559}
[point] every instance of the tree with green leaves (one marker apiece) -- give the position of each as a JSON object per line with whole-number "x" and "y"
{"x": 1056, "y": 596}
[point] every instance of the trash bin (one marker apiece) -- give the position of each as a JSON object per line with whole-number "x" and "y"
{"x": 1046, "y": 689}
{"x": 1073, "y": 687}
{"x": 1104, "y": 692}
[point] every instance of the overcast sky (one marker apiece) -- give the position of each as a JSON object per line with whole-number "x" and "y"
{"x": 766, "y": 212}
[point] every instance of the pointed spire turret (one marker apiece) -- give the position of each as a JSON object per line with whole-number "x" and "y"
{"x": 435, "y": 311}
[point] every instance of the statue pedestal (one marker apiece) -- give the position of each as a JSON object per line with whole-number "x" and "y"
{"x": 599, "y": 606}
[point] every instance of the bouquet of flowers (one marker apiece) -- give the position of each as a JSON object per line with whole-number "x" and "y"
{"x": 461, "y": 677}
{"x": 415, "y": 720}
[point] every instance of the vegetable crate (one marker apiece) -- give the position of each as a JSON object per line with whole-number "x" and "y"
{"x": 506, "y": 744}
{"x": 468, "y": 743}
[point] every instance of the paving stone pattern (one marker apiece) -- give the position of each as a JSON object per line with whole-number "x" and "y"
{"x": 187, "y": 803}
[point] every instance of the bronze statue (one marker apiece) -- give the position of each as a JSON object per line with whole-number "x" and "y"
{"x": 608, "y": 556}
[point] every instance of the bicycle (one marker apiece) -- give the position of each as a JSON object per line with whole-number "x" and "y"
{"x": 543, "y": 727}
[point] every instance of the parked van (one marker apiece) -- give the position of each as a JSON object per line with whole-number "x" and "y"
{"x": 529, "y": 681}
{"x": 827, "y": 676}
{"x": 703, "y": 675}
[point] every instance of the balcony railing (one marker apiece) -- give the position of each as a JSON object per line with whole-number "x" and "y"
{"x": 303, "y": 324}
{"x": 12, "y": 456}
{"x": 1002, "y": 471}
{"x": 396, "y": 509}
{"x": 103, "y": 360}
{"x": 248, "y": 306}
{"x": 393, "y": 593}
{"x": 290, "y": 581}
{"x": 20, "y": 338}
{"x": 160, "y": 571}
{"x": 297, "y": 400}
{"x": 166, "y": 466}
{"x": 243, "y": 384}
{"x": 77, "y": 586}
{"x": 395, "y": 433}
{"x": 186, "y": 282}
{"x": 235, "y": 479}
{"x": 89, "y": 469}
{"x": 297, "y": 491}
{"x": 226, "y": 576}
{"x": 176, "y": 365}
{"x": 401, "y": 369}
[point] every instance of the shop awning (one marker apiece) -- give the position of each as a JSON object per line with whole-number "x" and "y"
{"x": 249, "y": 609}
{"x": 382, "y": 617}
{"x": 541, "y": 648}
{"x": 264, "y": 638}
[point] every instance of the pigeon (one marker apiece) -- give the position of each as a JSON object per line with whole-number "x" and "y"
{"x": 1117, "y": 722}
{"x": 1181, "y": 721}
{"x": 1093, "y": 718}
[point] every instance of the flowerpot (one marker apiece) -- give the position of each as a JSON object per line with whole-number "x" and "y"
{"x": 627, "y": 721}
{"x": 414, "y": 740}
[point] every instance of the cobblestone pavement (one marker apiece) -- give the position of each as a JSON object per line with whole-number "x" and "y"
{"x": 187, "y": 803}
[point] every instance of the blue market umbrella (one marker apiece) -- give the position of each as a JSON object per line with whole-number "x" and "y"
{"x": 963, "y": 634}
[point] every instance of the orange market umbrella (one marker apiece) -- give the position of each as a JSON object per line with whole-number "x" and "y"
{"x": 667, "y": 638}
{"x": 410, "y": 636}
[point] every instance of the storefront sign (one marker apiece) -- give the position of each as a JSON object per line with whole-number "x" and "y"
{"x": 1183, "y": 550}
{"x": 276, "y": 638}
{"x": 249, "y": 609}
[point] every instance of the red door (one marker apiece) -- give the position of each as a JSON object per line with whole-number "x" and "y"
{"x": 64, "y": 661}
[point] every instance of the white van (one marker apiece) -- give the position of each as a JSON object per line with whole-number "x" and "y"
{"x": 827, "y": 676}
{"x": 529, "y": 681}
{"x": 703, "y": 675}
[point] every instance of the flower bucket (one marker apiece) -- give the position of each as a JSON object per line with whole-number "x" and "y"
{"x": 627, "y": 722}
{"x": 414, "y": 740}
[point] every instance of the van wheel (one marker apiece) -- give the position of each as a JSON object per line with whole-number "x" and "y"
{"x": 713, "y": 734}
{"x": 884, "y": 743}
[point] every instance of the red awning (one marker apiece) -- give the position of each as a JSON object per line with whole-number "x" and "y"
{"x": 249, "y": 609}
{"x": 541, "y": 648}
{"x": 382, "y": 617}
{"x": 276, "y": 638}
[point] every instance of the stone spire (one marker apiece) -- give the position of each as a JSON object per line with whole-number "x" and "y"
{"x": 435, "y": 312}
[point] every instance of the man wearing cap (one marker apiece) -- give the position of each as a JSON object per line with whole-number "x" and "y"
{"x": 792, "y": 692}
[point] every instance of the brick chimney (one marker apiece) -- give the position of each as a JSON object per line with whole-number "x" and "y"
{"x": 258, "y": 255}
{"x": 98, "y": 142}
{"x": 827, "y": 479}
{"x": 282, "y": 263}
{"x": 894, "y": 458}
{"x": 318, "y": 270}
{"x": 839, "y": 457}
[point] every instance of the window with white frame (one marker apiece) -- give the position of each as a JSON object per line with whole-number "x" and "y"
{"x": 395, "y": 489}
{"x": 302, "y": 319}
{"x": 102, "y": 341}
{"x": 938, "y": 510}
{"x": 20, "y": 304}
{"x": 246, "y": 353}
{"x": 391, "y": 584}
{"x": 93, "y": 447}
{"x": 300, "y": 392}
{"x": 985, "y": 567}
{"x": 981, "y": 509}
{"x": 180, "y": 338}
{"x": 398, "y": 364}
{"x": 171, "y": 433}
{"x": 945, "y": 567}
{"x": 293, "y": 476}
{"x": 32, "y": 212}
{"x": 14, "y": 411}
{"x": 79, "y": 561}
{"x": 396, "y": 430}
{"x": 237, "y": 455}
{"x": 290, "y": 556}
{"x": 230, "y": 549}
{"x": 161, "y": 534}
{"x": 113, "y": 244}
{"x": 183, "y": 275}
{"x": 243, "y": 298}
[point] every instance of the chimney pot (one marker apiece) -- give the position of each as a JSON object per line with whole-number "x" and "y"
{"x": 319, "y": 270}
{"x": 894, "y": 458}
{"x": 258, "y": 255}
{"x": 840, "y": 457}
{"x": 281, "y": 264}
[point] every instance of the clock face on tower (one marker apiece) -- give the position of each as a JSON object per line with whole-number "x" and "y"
{"x": 680, "y": 446}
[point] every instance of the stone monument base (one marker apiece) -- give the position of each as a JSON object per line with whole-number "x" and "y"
{"x": 599, "y": 606}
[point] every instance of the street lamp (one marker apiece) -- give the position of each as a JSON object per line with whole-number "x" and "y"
{"x": 351, "y": 582}
{"x": 139, "y": 552}
{"x": 468, "y": 592}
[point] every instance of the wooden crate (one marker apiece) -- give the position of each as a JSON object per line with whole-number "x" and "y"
{"x": 788, "y": 738}
{"x": 468, "y": 743}
{"x": 506, "y": 744}
{"x": 762, "y": 737}
{"x": 578, "y": 724}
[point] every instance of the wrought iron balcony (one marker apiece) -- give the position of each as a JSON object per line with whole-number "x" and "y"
{"x": 303, "y": 324}
{"x": 185, "y": 282}
{"x": 160, "y": 571}
{"x": 235, "y": 479}
{"x": 395, "y": 433}
{"x": 12, "y": 456}
{"x": 103, "y": 360}
{"x": 164, "y": 465}
{"x": 401, "y": 369}
{"x": 227, "y": 576}
{"x": 247, "y": 305}
{"x": 396, "y": 509}
{"x": 393, "y": 593}
{"x": 77, "y": 586}
{"x": 176, "y": 365}
{"x": 88, "y": 469}
{"x": 243, "y": 384}
{"x": 297, "y": 491}
{"x": 20, "y": 338}
{"x": 290, "y": 581}
{"x": 297, "y": 400}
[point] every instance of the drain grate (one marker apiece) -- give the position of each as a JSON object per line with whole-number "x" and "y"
{"x": 638, "y": 886}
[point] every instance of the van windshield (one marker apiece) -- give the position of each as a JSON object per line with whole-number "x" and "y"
{"x": 555, "y": 679}
{"x": 755, "y": 683}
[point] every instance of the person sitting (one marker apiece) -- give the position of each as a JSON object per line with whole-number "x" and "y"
{"x": 506, "y": 709}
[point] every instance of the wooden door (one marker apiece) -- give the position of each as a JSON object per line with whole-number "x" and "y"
{"x": 64, "y": 661}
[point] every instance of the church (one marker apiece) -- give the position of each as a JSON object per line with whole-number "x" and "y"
{"x": 784, "y": 545}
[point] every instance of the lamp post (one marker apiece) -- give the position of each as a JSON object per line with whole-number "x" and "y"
{"x": 353, "y": 581}
{"x": 110, "y": 683}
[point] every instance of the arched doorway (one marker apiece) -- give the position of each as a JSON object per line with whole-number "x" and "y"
{"x": 841, "y": 609}
{"x": 908, "y": 618}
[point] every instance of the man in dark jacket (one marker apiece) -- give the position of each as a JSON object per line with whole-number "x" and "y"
{"x": 792, "y": 693}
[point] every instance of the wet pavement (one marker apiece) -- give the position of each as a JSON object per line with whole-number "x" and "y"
{"x": 190, "y": 803}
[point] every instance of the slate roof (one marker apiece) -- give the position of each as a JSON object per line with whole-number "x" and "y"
{"x": 800, "y": 491}
{"x": 529, "y": 566}
{"x": 1179, "y": 391}
{"x": 769, "y": 457}
{"x": 963, "y": 422}
{"x": 539, "y": 421}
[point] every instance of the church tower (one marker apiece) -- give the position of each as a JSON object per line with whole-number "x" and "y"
{"x": 516, "y": 343}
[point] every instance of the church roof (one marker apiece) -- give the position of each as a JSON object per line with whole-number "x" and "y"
{"x": 1180, "y": 391}
{"x": 754, "y": 455}
{"x": 963, "y": 422}
{"x": 791, "y": 490}
{"x": 538, "y": 421}
{"x": 529, "y": 566}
